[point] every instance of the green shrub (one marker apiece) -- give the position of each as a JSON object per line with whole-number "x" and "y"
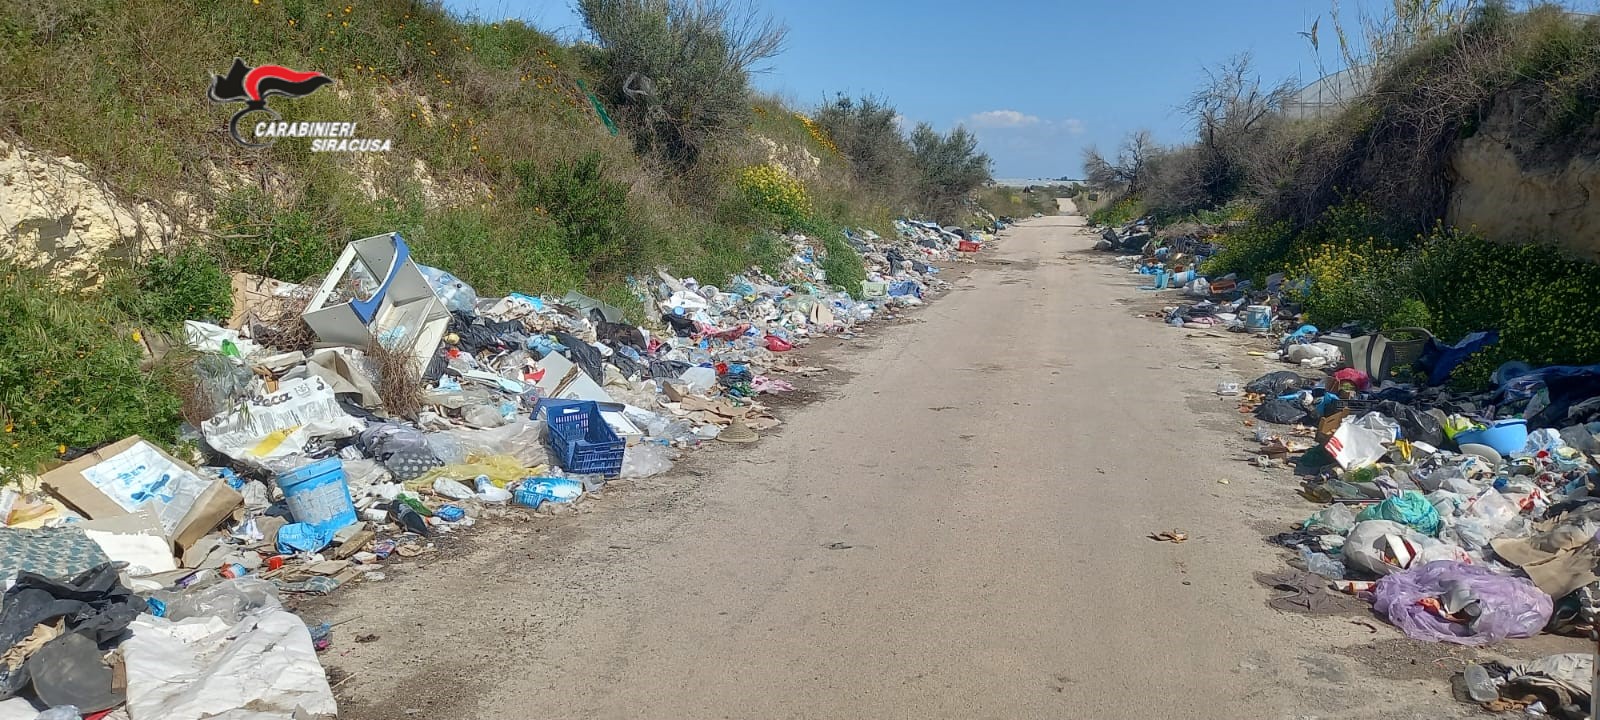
{"x": 169, "y": 288}
{"x": 71, "y": 376}
{"x": 262, "y": 238}
{"x": 590, "y": 209}
{"x": 1541, "y": 301}
{"x": 841, "y": 264}
{"x": 771, "y": 189}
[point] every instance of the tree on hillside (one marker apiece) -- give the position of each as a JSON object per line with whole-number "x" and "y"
{"x": 950, "y": 166}
{"x": 681, "y": 68}
{"x": 867, "y": 133}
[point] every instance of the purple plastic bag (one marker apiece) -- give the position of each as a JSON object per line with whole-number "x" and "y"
{"x": 1509, "y": 607}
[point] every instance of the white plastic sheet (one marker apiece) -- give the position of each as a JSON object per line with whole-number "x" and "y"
{"x": 263, "y": 668}
{"x": 280, "y": 424}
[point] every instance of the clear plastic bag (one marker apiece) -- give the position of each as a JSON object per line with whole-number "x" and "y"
{"x": 646, "y": 460}
{"x": 1505, "y": 607}
{"x": 456, "y": 295}
{"x": 229, "y": 600}
{"x": 1335, "y": 519}
{"x": 1322, "y": 564}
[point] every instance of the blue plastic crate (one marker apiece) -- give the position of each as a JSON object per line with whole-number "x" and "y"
{"x": 581, "y": 440}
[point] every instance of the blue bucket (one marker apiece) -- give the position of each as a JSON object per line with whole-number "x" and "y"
{"x": 317, "y": 495}
{"x": 1258, "y": 317}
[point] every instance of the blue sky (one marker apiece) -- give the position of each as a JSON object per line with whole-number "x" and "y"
{"x": 1037, "y": 80}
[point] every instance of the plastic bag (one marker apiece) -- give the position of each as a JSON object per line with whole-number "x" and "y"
{"x": 1380, "y": 424}
{"x": 1410, "y": 508}
{"x": 1354, "y": 446}
{"x": 403, "y": 450}
{"x": 1282, "y": 382}
{"x": 518, "y": 439}
{"x": 1322, "y": 564}
{"x": 1494, "y": 510}
{"x": 1505, "y": 607}
{"x": 1381, "y": 547}
{"x": 451, "y": 489}
{"x": 502, "y": 470}
{"x": 1335, "y": 519}
{"x": 1415, "y": 425}
{"x": 228, "y": 599}
{"x": 700, "y": 379}
{"x": 645, "y": 460}
{"x": 1280, "y": 412}
{"x": 1323, "y": 352}
{"x": 456, "y": 295}
{"x": 301, "y": 537}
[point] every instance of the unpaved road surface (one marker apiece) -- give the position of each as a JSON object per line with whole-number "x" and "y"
{"x": 956, "y": 529}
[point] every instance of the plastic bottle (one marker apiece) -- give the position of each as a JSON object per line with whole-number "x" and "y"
{"x": 1321, "y": 564}
{"x": 1479, "y": 687}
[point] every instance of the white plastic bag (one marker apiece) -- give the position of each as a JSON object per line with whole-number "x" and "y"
{"x": 451, "y": 489}
{"x": 1328, "y": 354}
{"x": 1371, "y": 544}
{"x": 1354, "y": 446}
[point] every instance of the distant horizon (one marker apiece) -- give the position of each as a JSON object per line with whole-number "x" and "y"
{"x": 1024, "y": 182}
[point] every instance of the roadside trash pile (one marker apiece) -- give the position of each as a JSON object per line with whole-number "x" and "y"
{"x": 1465, "y": 518}
{"x": 349, "y": 425}
{"x": 1462, "y": 518}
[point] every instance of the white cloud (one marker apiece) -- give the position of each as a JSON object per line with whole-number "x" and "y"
{"x": 1017, "y": 120}
{"x": 1002, "y": 119}
{"x": 901, "y": 122}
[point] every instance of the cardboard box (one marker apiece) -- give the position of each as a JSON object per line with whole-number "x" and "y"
{"x": 72, "y": 486}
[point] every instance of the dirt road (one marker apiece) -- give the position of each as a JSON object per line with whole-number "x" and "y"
{"x": 957, "y": 531}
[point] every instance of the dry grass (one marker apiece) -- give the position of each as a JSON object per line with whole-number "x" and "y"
{"x": 399, "y": 379}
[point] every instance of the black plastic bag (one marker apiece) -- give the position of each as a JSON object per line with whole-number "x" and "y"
{"x": 668, "y": 369}
{"x": 93, "y": 603}
{"x": 681, "y": 325}
{"x": 630, "y": 367}
{"x": 1280, "y": 412}
{"x": 1282, "y": 382}
{"x": 1415, "y": 425}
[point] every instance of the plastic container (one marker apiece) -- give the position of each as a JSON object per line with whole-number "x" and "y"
{"x": 1505, "y": 436}
{"x": 1258, "y": 317}
{"x": 318, "y": 495}
{"x": 968, "y": 246}
{"x": 581, "y": 440}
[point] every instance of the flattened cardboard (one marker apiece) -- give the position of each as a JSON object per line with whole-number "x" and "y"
{"x": 68, "y": 484}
